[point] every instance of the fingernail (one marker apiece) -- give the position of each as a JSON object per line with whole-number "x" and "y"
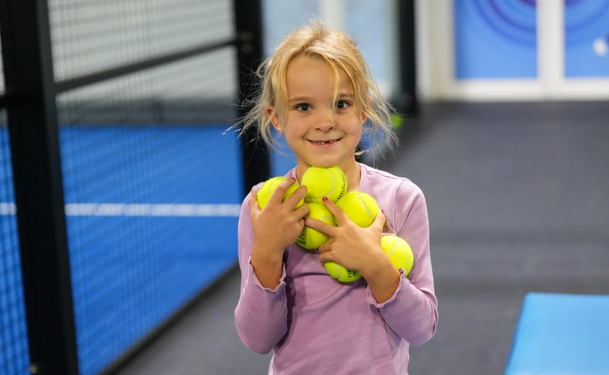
{"x": 325, "y": 199}
{"x": 383, "y": 211}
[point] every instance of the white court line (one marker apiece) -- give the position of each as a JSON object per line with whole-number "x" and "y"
{"x": 140, "y": 209}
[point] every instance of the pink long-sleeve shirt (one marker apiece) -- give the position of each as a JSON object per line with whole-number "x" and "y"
{"x": 317, "y": 325}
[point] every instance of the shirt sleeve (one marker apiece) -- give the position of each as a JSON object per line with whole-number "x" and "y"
{"x": 261, "y": 313}
{"x": 412, "y": 312}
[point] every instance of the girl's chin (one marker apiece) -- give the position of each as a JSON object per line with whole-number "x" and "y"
{"x": 324, "y": 163}
{"x": 317, "y": 163}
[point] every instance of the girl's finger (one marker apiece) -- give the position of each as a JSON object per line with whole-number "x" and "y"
{"x": 379, "y": 221}
{"x": 297, "y": 196}
{"x": 301, "y": 211}
{"x": 320, "y": 226}
{"x": 338, "y": 213}
{"x": 277, "y": 195}
{"x": 253, "y": 201}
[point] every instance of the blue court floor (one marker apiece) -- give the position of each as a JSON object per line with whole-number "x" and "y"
{"x": 518, "y": 198}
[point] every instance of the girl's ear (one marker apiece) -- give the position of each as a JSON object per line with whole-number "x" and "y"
{"x": 273, "y": 117}
{"x": 364, "y": 117}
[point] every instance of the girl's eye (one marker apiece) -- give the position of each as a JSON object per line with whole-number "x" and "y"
{"x": 342, "y": 104}
{"x": 303, "y": 107}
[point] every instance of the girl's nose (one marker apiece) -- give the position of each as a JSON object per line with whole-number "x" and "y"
{"x": 326, "y": 122}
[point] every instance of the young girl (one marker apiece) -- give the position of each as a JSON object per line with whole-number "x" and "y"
{"x": 317, "y": 92}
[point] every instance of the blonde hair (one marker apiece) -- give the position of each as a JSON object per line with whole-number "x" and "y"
{"x": 339, "y": 52}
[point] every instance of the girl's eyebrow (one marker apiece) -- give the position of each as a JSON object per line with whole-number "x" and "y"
{"x": 299, "y": 99}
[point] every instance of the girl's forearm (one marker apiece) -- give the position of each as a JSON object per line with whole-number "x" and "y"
{"x": 382, "y": 278}
{"x": 268, "y": 267}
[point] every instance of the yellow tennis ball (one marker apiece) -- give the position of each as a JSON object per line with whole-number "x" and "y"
{"x": 360, "y": 207}
{"x": 341, "y": 273}
{"x": 324, "y": 182}
{"x": 310, "y": 238}
{"x": 267, "y": 189}
{"x": 399, "y": 252}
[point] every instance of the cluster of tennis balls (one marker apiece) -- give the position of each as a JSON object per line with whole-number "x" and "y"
{"x": 360, "y": 207}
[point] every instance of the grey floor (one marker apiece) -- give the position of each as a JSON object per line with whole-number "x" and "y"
{"x": 518, "y": 198}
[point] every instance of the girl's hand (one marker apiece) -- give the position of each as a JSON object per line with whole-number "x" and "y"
{"x": 275, "y": 228}
{"x": 350, "y": 245}
{"x": 358, "y": 249}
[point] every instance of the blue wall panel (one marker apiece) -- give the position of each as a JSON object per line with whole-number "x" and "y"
{"x": 495, "y": 39}
{"x": 586, "y": 38}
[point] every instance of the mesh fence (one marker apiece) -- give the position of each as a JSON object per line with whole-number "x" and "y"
{"x": 14, "y": 356}
{"x": 90, "y": 36}
{"x": 2, "y": 89}
{"x": 152, "y": 198}
{"x": 152, "y": 177}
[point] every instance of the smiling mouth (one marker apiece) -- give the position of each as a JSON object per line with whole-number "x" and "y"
{"x": 325, "y": 142}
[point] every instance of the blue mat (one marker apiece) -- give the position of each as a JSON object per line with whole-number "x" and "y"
{"x": 561, "y": 334}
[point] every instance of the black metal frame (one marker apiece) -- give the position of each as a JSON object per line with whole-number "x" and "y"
{"x": 34, "y": 139}
{"x": 256, "y": 155}
{"x": 407, "y": 100}
{"x": 3, "y": 101}
{"x": 30, "y": 101}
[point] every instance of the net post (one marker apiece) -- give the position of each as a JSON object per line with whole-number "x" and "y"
{"x": 407, "y": 100}
{"x": 34, "y": 140}
{"x": 255, "y": 153}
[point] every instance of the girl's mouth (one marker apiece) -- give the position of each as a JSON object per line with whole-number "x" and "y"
{"x": 325, "y": 142}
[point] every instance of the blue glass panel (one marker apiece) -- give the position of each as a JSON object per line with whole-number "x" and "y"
{"x": 586, "y": 38}
{"x": 495, "y": 39}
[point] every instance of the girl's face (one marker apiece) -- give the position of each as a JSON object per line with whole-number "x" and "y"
{"x": 322, "y": 132}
